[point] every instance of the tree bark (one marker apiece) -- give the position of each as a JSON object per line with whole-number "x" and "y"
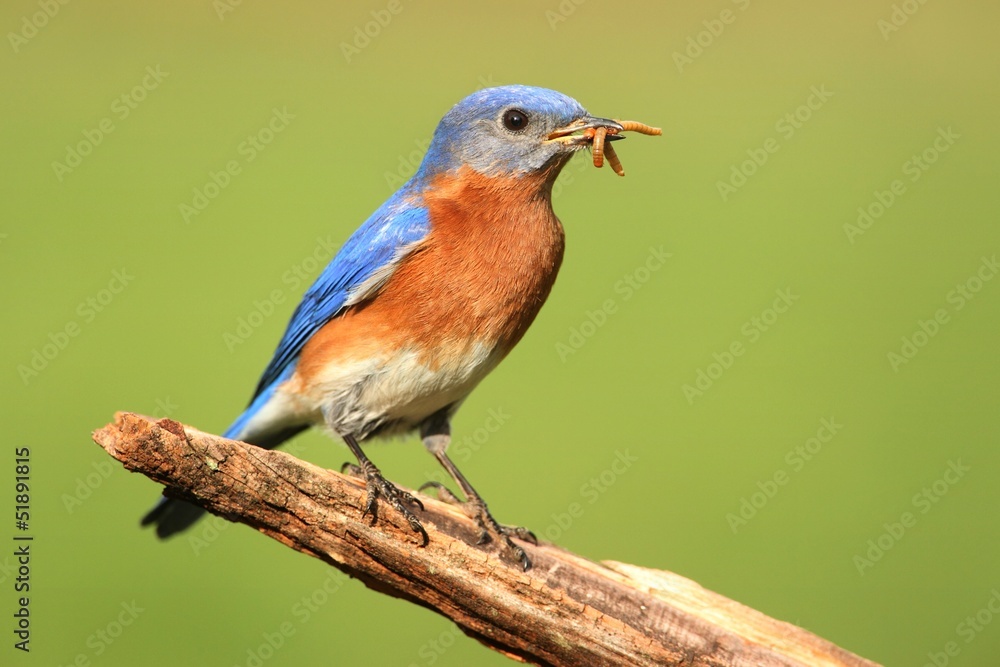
{"x": 565, "y": 610}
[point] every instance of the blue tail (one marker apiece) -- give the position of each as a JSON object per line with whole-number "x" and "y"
{"x": 171, "y": 516}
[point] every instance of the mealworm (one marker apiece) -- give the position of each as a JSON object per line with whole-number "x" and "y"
{"x": 613, "y": 159}
{"x": 598, "y": 147}
{"x": 641, "y": 128}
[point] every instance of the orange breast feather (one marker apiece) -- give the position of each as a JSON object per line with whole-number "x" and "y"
{"x": 479, "y": 278}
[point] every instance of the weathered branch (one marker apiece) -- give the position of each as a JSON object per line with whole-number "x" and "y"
{"x": 566, "y": 610}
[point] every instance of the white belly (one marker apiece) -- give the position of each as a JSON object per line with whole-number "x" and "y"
{"x": 390, "y": 394}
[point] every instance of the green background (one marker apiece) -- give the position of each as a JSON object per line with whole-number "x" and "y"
{"x": 159, "y": 346}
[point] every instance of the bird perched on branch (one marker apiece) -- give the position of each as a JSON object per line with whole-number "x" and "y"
{"x": 426, "y": 297}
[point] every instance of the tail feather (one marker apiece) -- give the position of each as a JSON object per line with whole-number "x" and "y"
{"x": 171, "y": 516}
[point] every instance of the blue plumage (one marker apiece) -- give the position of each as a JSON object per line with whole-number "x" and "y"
{"x": 237, "y": 430}
{"x": 372, "y": 251}
{"x": 409, "y": 358}
{"x": 401, "y": 222}
{"x": 472, "y": 133}
{"x": 362, "y": 265}
{"x": 375, "y": 248}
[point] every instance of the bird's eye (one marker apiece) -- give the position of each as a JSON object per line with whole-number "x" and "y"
{"x": 515, "y": 120}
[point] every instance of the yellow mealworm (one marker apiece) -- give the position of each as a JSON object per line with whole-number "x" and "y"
{"x": 641, "y": 128}
{"x": 601, "y": 148}
{"x": 598, "y": 146}
{"x": 613, "y": 159}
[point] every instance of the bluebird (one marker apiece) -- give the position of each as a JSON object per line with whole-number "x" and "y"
{"x": 425, "y": 298}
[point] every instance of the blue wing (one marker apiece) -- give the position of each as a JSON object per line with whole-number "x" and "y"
{"x": 360, "y": 268}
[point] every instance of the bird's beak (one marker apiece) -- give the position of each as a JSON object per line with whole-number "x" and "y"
{"x": 568, "y": 134}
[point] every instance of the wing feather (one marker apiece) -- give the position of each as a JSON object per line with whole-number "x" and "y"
{"x": 359, "y": 270}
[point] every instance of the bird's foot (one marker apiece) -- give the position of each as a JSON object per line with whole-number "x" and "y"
{"x": 377, "y": 486}
{"x": 489, "y": 529}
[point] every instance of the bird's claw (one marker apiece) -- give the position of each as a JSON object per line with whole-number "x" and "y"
{"x": 376, "y": 485}
{"x": 489, "y": 529}
{"x": 443, "y": 492}
{"x": 520, "y": 532}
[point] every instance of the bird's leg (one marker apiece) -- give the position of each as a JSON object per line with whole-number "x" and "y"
{"x": 377, "y": 485}
{"x": 437, "y": 444}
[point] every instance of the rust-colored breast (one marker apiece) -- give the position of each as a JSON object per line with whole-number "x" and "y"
{"x": 479, "y": 279}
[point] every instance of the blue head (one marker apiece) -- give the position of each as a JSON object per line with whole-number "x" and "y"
{"x": 510, "y": 131}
